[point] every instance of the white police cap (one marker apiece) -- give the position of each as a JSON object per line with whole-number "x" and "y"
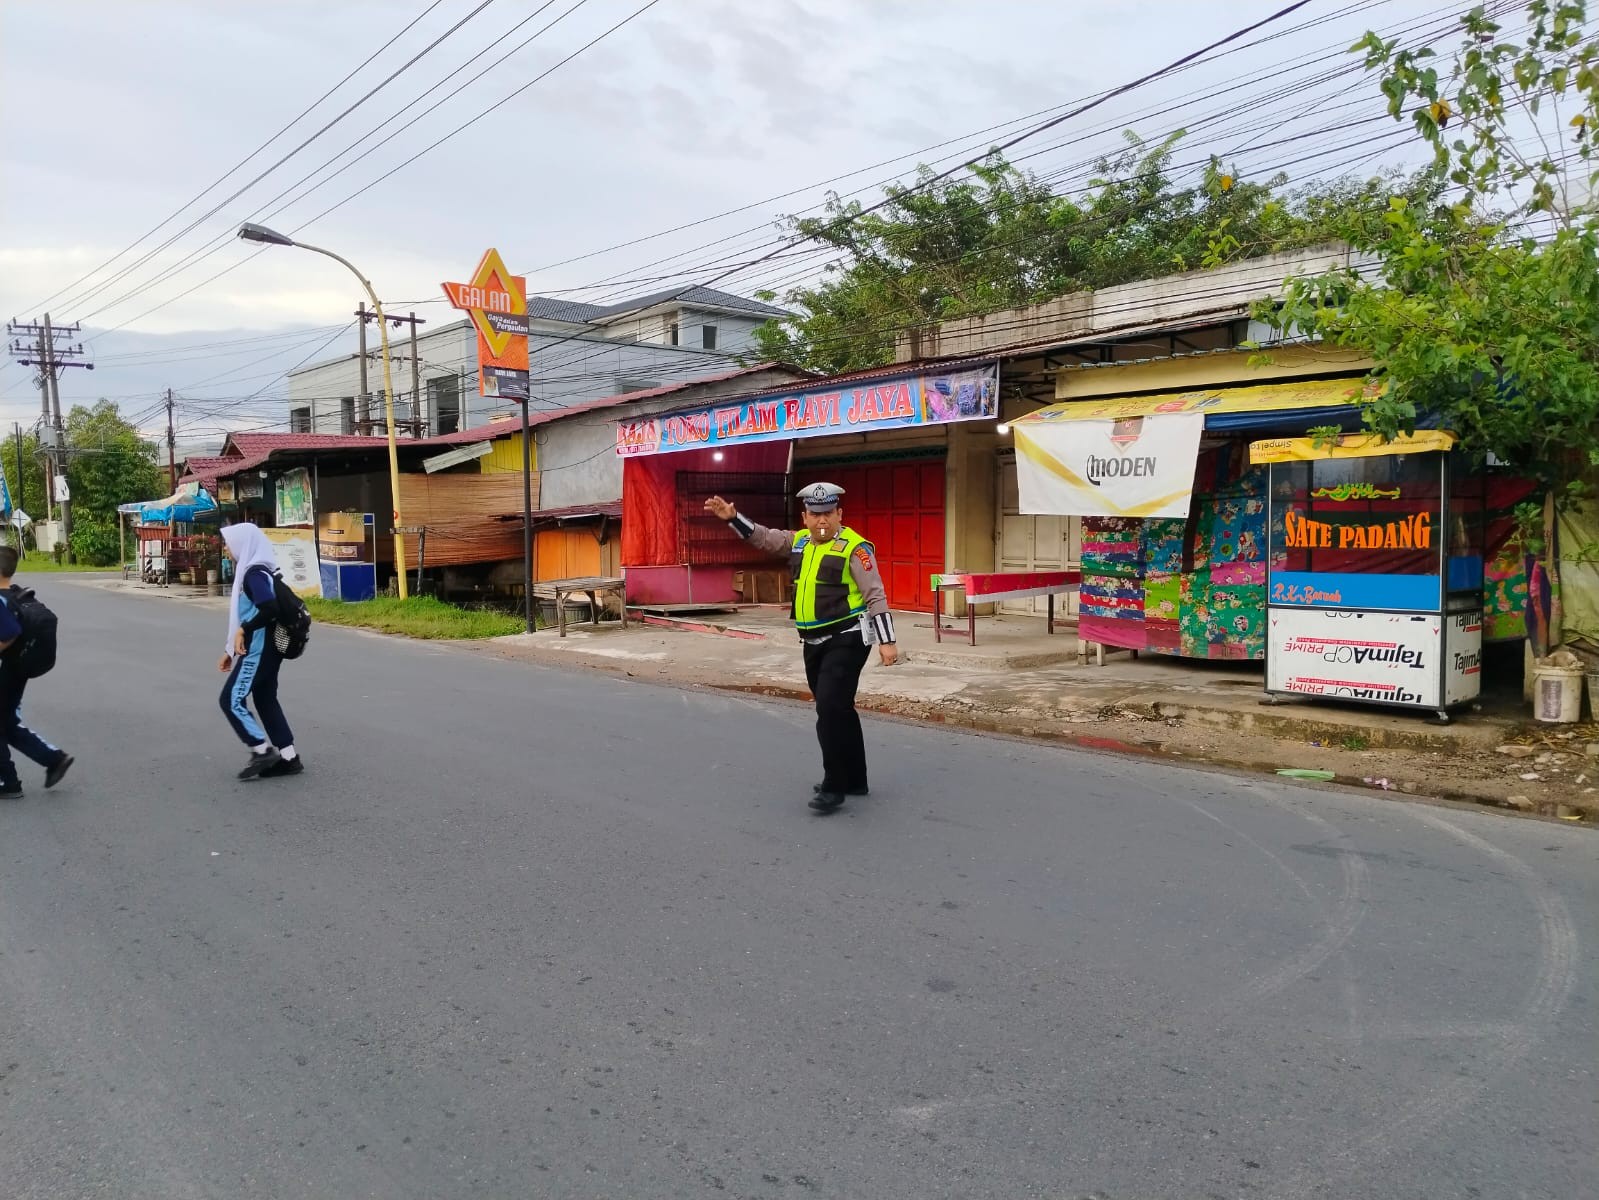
{"x": 821, "y": 497}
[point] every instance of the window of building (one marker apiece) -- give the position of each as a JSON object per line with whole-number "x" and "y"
{"x": 671, "y": 333}
{"x": 346, "y": 414}
{"x": 708, "y": 336}
{"x": 444, "y": 398}
{"x": 299, "y": 420}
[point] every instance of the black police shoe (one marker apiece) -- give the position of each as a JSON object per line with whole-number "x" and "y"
{"x": 819, "y": 788}
{"x": 827, "y": 802}
{"x": 260, "y": 762}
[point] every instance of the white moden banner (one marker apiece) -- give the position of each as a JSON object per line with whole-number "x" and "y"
{"x": 1136, "y": 467}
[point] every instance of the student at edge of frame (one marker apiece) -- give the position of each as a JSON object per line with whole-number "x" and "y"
{"x": 841, "y": 610}
{"x": 14, "y": 676}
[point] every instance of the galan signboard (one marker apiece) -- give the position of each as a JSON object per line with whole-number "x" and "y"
{"x": 496, "y": 301}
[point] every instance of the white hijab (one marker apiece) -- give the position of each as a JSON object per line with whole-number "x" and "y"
{"x": 249, "y": 548}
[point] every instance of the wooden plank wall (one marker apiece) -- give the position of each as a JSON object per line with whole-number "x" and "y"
{"x": 465, "y": 517}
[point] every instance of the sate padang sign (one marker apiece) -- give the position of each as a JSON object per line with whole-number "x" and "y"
{"x": 899, "y": 402}
{"x": 496, "y": 301}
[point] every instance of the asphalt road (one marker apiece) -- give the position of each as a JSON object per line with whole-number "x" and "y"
{"x": 526, "y": 932}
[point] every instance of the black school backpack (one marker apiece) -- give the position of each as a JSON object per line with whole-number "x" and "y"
{"x": 34, "y": 651}
{"x": 292, "y": 629}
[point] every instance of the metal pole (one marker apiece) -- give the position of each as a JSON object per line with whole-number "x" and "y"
{"x": 363, "y": 420}
{"x": 416, "y": 388}
{"x": 388, "y": 407}
{"x": 22, "y": 487}
{"x": 527, "y": 515}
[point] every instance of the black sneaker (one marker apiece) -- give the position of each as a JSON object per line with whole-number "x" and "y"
{"x": 260, "y": 762}
{"x": 11, "y": 791}
{"x": 284, "y": 766}
{"x": 58, "y": 772}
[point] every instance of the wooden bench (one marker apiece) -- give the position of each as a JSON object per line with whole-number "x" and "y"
{"x": 563, "y": 589}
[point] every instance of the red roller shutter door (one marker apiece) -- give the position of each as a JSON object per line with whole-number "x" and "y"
{"x": 899, "y": 507}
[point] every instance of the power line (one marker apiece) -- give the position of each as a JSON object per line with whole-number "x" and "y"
{"x": 82, "y": 297}
{"x": 242, "y": 162}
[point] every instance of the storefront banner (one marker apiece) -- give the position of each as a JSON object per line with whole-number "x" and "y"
{"x": 295, "y": 505}
{"x": 907, "y": 402}
{"x": 1350, "y": 445}
{"x": 1330, "y": 589}
{"x": 1263, "y": 397}
{"x": 1355, "y": 656}
{"x": 1135, "y": 467}
{"x": 295, "y": 550}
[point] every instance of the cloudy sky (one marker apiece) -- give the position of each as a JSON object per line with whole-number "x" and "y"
{"x": 126, "y": 121}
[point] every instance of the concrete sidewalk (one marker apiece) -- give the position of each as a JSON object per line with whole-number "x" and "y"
{"x": 1018, "y": 680}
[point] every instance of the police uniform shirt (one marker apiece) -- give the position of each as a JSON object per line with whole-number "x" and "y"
{"x": 877, "y": 625}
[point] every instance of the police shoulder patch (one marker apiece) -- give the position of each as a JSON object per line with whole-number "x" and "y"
{"x": 863, "y": 555}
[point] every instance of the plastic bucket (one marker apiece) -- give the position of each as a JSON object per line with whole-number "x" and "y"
{"x": 1557, "y": 695}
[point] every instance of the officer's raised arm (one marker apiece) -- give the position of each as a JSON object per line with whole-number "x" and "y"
{"x": 776, "y": 542}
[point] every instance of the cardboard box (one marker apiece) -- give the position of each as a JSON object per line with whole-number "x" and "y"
{"x": 346, "y": 528}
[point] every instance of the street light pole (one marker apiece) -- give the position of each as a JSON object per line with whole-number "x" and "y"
{"x": 260, "y": 233}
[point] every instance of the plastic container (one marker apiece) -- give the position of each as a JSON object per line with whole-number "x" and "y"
{"x": 1593, "y": 695}
{"x": 1557, "y": 695}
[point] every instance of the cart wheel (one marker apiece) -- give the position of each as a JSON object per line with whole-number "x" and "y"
{"x": 1443, "y": 717}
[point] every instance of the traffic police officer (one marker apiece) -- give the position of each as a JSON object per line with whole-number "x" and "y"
{"x": 841, "y": 611}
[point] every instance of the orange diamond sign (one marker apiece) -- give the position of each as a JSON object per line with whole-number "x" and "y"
{"x": 496, "y": 301}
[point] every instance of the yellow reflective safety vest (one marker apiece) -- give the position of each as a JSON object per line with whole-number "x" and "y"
{"x": 825, "y": 592}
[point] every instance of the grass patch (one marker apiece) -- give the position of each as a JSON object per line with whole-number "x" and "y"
{"x": 418, "y": 617}
{"x": 43, "y": 564}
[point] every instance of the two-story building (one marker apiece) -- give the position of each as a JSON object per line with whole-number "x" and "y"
{"x": 578, "y": 352}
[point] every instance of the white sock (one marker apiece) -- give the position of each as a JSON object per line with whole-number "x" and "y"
{"x": 261, "y": 749}
{"x": 289, "y": 753}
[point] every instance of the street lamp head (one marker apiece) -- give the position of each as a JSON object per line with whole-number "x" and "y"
{"x": 260, "y": 233}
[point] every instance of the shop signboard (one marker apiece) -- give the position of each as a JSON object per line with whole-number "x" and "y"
{"x": 295, "y": 504}
{"x": 1121, "y": 467}
{"x": 1343, "y": 654}
{"x": 496, "y": 301}
{"x": 295, "y": 550}
{"x": 902, "y": 402}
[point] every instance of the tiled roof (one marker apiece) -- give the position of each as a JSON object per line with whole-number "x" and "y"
{"x": 692, "y": 296}
{"x": 548, "y": 308}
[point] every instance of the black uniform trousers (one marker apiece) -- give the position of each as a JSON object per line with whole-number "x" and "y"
{"x": 833, "y": 669}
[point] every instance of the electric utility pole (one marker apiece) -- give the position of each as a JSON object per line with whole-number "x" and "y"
{"x": 37, "y": 345}
{"x": 365, "y": 425}
{"x": 172, "y": 445}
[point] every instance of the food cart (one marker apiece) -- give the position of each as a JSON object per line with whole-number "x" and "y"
{"x": 1374, "y": 585}
{"x": 164, "y": 548}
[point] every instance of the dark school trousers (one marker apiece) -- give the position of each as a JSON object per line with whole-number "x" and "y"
{"x": 833, "y": 669}
{"x": 18, "y": 736}
{"x": 255, "y": 677}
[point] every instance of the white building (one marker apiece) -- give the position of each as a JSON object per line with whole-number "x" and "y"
{"x": 578, "y": 352}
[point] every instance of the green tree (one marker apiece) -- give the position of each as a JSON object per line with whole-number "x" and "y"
{"x": 1486, "y": 322}
{"x": 108, "y": 464}
{"x": 27, "y": 489}
{"x": 999, "y": 237}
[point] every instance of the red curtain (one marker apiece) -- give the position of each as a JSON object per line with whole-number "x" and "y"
{"x": 650, "y": 534}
